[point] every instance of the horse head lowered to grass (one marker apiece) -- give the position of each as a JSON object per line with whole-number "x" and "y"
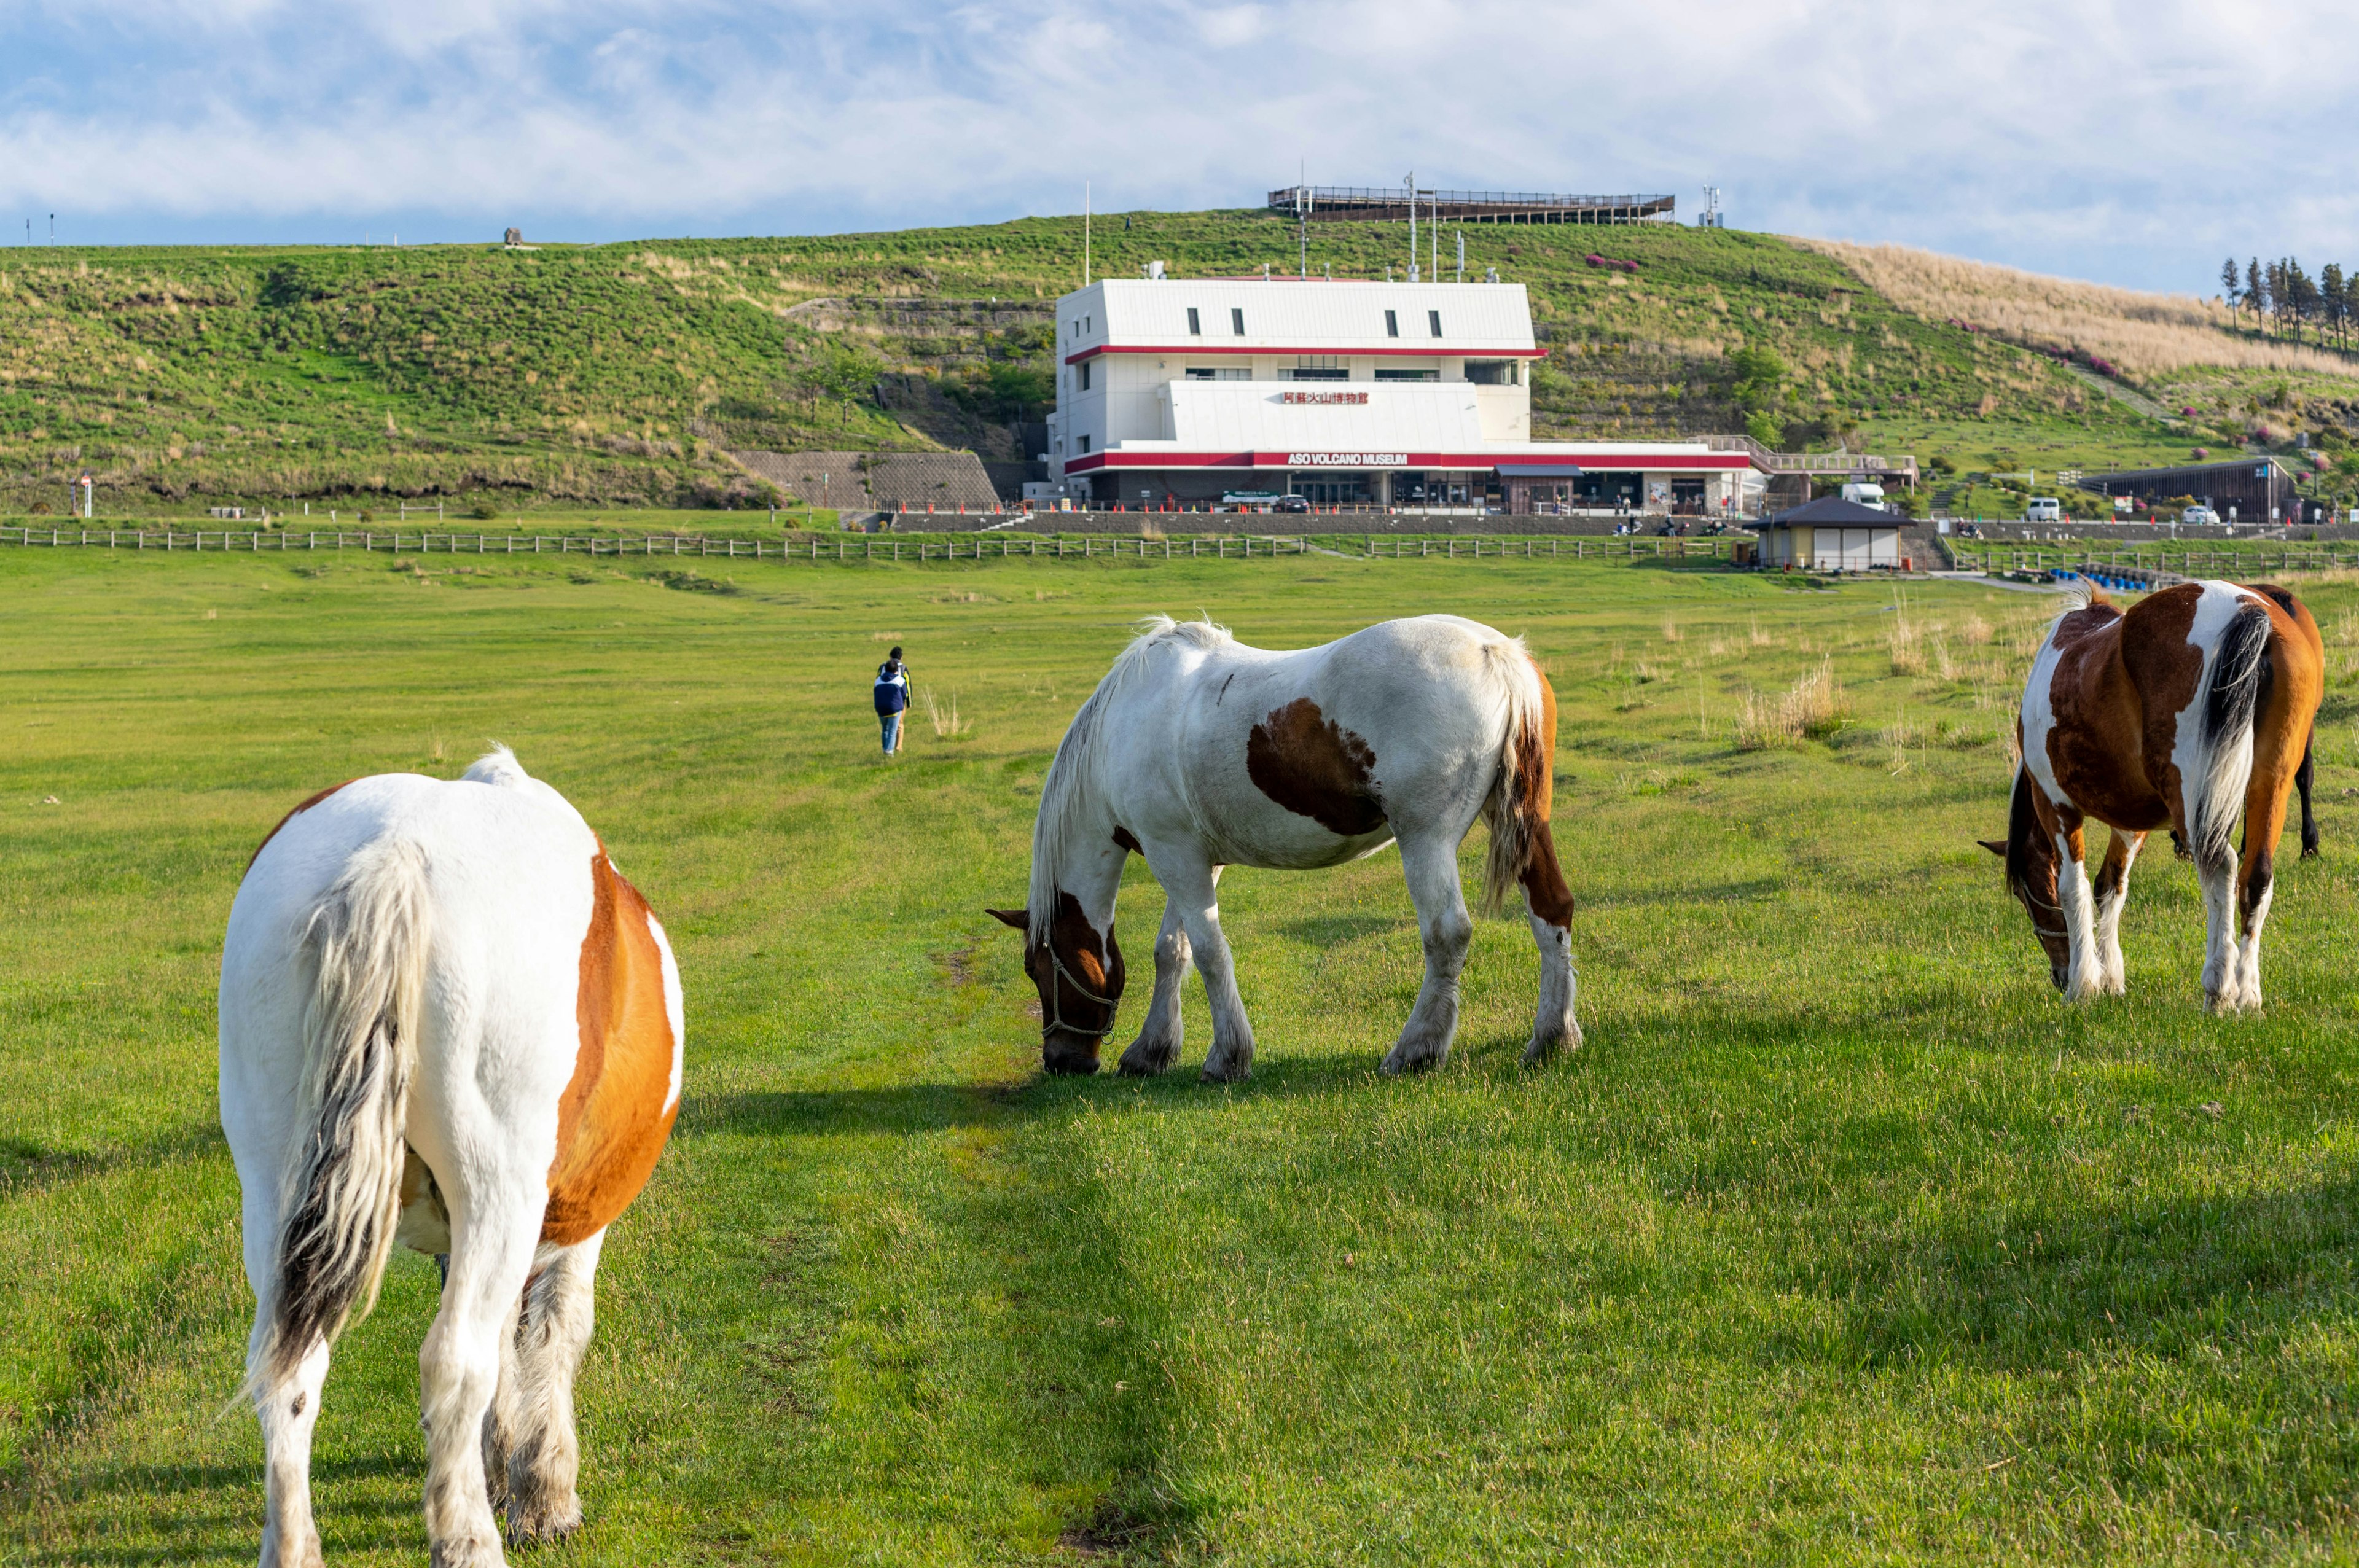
{"x": 1198, "y": 752}
{"x": 2190, "y": 711}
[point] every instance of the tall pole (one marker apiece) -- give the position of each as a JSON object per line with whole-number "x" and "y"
{"x": 1085, "y": 234}
{"x": 1411, "y": 183}
{"x": 1433, "y": 211}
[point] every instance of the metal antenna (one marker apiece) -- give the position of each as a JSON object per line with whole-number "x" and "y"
{"x": 1411, "y": 183}
{"x": 1302, "y": 217}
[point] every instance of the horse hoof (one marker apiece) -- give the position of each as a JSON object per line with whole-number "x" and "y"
{"x": 1541, "y": 1051}
{"x": 546, "y": 1522}
{"x": 467, "y": 1552}
{"x": 1152, "y": 1062}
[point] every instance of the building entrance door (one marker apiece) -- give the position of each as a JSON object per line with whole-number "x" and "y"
{"x": 1332, "y": 489}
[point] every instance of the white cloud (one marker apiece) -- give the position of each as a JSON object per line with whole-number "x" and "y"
{"x": 2124, "y": 142}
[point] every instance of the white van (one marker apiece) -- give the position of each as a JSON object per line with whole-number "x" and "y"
{"x": 1864, "y": 493}
{"x": 2044, "y": 509}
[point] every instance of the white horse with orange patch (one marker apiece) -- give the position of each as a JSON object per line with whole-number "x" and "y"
{"x": 446, "y": 1020}
{"x": 1199, "y": 752}
{"x": 2191, "y": 710}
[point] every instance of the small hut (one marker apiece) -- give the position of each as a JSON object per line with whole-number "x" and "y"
{"x": 1831, "y": 535}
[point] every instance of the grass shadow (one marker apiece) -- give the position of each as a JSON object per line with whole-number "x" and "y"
{"x": 27, "y": 1167}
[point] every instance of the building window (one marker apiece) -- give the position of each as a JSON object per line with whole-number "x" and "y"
{"x": 1085, "y": 325}
{"x": 1086, "y": 376}
{"x": 1491, "y": 373}
{"x": 1195, "y": 323}
{"x": 1317, "y": 367}
{"x": 1427, "y": 373}
{"x": 1237, "y": 321}
{"x": 1082, "y": 443}
{"x": 1391, "y": 323}
{"x": 1218, "y": 373}
{"x": 1433, "y": 320}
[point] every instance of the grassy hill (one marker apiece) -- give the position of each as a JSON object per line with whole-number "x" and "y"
{"x": 621, "y": 376}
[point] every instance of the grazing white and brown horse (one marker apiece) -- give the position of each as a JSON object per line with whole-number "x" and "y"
{"x": 446, "y": 1020}
{"x": 2190, "y": 711}
{"x": 1199, "y": 752}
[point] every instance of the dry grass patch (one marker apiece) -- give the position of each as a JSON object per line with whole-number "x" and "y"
{"x": 1812, "y": 708}
{"x": 2145, "y": 334}
{"x": 948, "y": 725}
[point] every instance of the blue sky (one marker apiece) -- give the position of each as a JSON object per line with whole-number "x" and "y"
{"x": 2135, "y": 144}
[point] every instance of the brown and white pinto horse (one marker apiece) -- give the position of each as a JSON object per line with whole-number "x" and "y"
{"x": 446, "y": 1020}
{"x": 2189, "y": 711}
{"x": 1199, "y": 752}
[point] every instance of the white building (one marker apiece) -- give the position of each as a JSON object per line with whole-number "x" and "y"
{"x": 1172, "y": 391}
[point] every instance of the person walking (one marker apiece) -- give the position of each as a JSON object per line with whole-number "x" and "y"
{"x": 892, "y": 699}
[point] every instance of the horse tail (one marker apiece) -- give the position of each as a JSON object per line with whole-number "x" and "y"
{"x": 367, "y": 940}
{"x": 2230, "y": 691}
{"x": 1523, "y": 790}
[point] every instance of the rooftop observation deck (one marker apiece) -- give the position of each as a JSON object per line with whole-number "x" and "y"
{"x": 1362, "y": 204}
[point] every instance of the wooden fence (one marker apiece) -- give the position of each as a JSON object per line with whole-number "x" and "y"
{"x": 2261, "y": 557}
{"x": 860, "y": 547}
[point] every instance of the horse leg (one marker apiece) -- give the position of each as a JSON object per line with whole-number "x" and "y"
{"x": 500, "y": 1420}
{"x": 2303, "y": 778}
{"x": 288, "y": 1408}
{"x": 1544, "y": 889}
{"x": 1161, "y": 1036}
{"x": 2265, "y": 813}
{"x": 2113, "y": 891}
{"x": 2084, "y": 969}
{"x": 1430, "y": 862}
{"x": 2222, "y": 981}
{"x": 544, "y": 1455}
{"x": 1194, "y": 887}
{"x": 495, "y": 1225}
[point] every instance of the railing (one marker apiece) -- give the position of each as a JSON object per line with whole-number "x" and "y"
{"x": 1283, "y": 200}
{"x": 1808, "y": 462}
{"x": 865, "y": 548}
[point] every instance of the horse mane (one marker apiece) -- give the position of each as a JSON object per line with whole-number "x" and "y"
{"x": 1073, "y": 773}
{"x": 2022, "y": 833}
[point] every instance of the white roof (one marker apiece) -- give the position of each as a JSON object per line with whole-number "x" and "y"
{"x": 1294, "y": 316}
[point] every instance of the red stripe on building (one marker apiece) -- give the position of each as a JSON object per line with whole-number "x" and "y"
{"x": 1623, "y": 462}
{"x": 1079, "y": 355}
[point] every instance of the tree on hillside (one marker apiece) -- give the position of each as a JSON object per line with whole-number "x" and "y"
{"x": 2228, "y": 290}
{"x": 2256, "y": 293}
{"x": 2302, "y": 297}
{"x": 1759, "y": 375}
{"x": 842, "y": 371}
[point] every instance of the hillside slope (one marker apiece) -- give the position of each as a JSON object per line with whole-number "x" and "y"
{"x": 623, "y": 374}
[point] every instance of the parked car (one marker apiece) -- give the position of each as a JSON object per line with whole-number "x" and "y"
{"x": 2197, "y": 516}
{"x": 1289, "y": 504}
{"x": 2044, "y": 509}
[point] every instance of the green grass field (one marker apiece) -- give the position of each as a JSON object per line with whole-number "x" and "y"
{"x": 1841, "y": 1240}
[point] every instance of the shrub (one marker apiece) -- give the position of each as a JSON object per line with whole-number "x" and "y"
{"x": 484, "y": 511}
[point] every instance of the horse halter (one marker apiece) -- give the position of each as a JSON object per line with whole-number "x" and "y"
{"x": 1056, "y": 1004}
